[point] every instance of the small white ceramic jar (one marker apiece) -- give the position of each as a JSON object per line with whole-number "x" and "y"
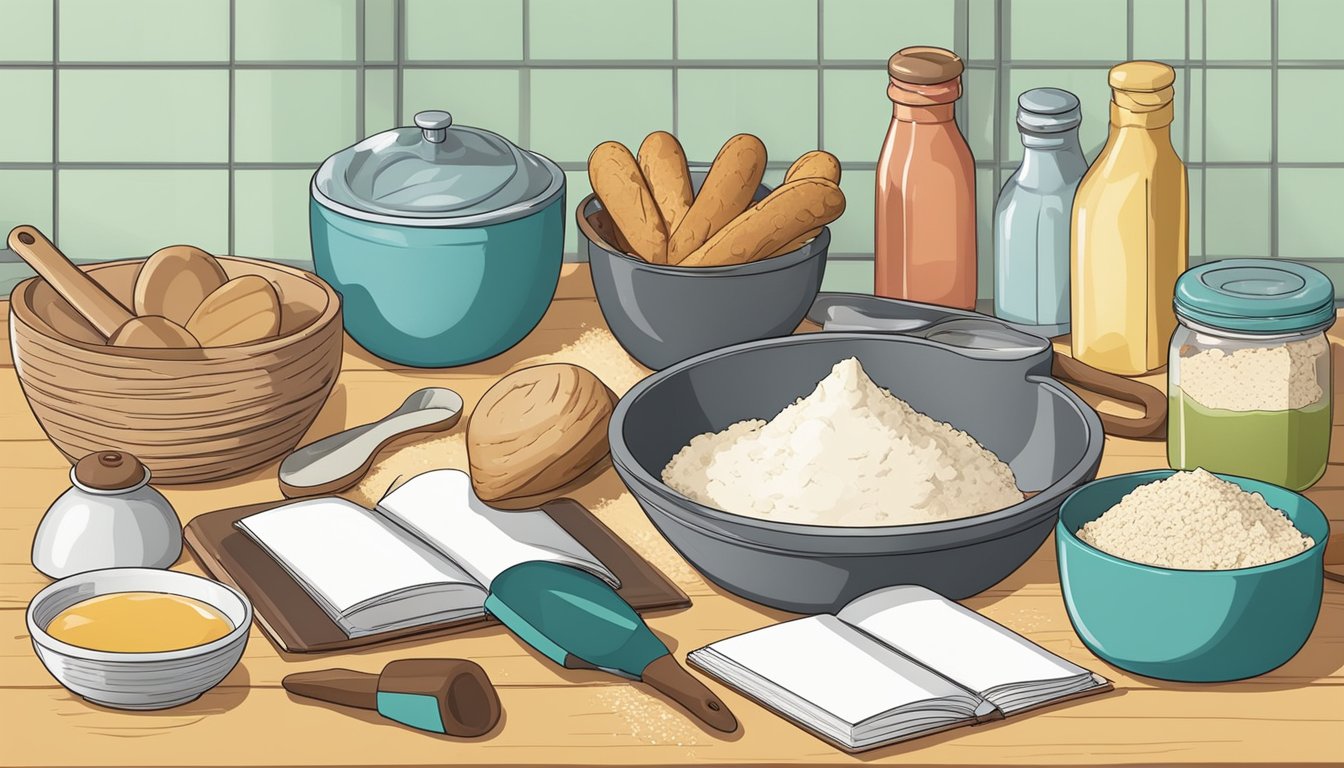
{"x": 111, "y": 518}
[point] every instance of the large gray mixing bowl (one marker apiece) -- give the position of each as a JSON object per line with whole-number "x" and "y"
{"x": 1048, "y": 435}
{"x": 664, "y": 314}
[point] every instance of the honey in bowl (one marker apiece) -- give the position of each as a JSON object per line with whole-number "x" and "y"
{"x": 139, "y": 622}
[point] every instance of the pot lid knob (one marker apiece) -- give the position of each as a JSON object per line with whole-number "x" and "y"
{"x": 110, "y": 471}
{"x": 433, "y": 123}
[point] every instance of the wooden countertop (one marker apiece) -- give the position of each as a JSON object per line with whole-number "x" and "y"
{"x": 554, "y": 716}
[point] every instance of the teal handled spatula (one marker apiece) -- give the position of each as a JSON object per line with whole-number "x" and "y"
{"x": 576, "y": 620}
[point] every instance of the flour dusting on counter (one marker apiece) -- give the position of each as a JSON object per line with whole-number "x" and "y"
{"x": 850, "y": 454}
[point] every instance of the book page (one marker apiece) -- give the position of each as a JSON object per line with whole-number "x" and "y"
{"x": 346, "y": 556}
{"x": 957, "y": 642}
{"x": 829, "y": 664}
{"x": 441, "y": 508}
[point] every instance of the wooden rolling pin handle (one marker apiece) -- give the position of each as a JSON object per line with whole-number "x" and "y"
{"x": 1152, "y": 425}
{"x": 88, "y": 298}
{"x": 335, "y": 686}
{"x": 671, "y": 679}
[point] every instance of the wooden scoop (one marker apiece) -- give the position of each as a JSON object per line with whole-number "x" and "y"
{"x": 113, "y": 321}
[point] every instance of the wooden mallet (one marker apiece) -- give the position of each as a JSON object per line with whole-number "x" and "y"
{"x": 448, "y": 696}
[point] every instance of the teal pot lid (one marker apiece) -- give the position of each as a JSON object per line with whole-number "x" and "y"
{"x": 1266, "y": 296}
{"x": 436, "y": 173}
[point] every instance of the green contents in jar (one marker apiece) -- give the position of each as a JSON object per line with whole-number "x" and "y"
{"x": 1288, "y": 448}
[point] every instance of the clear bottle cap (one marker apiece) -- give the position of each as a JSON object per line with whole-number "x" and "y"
{"x": 1048, "y": 110}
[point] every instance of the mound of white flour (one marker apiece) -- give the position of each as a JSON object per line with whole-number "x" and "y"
{"x": 850, "y": 454}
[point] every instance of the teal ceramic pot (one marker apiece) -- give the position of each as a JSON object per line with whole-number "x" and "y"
{"x": 1189, "y": 626}
{"x": 445, "y": 242}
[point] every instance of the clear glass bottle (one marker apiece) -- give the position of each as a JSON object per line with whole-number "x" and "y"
{"x": 1130, "y": 227}
{"x": 1248, "y": 375}
{"x": 1033, "y": 215}
{"x": 925, "y": 205}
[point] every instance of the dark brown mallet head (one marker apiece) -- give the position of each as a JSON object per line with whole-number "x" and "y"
{"x": 449, "y": 696}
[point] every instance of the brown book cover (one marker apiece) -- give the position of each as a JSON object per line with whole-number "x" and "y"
{"x": 295, "y": 623}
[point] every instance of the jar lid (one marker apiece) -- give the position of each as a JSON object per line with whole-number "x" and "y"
{"x": 436, "y": 173}
{"x": 1256, "y": 296}
{"x": 1048, "y": 110}
{"x": 924, "y": 65}
{"x": 110, "y": 471}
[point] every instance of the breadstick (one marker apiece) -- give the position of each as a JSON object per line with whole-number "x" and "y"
{"x": 797, "y": 242}
{"x": 663, "y": 162}
{"x": 788, "y": 212}
{"x": 621, "y": 187}
{"x": 606, "y": 229}
{"x": 817, "y": 164}
{"x": 727, "y": 191}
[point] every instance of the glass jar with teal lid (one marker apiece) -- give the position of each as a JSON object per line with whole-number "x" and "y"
{"x": 1249, "y": 371}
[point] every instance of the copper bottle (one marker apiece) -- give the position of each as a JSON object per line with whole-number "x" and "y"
{"x": 925, "y": 206}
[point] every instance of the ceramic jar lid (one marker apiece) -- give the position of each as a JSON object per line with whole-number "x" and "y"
{"x": 1265, "y": 296}
{"x": 110, "y": 471}
{"x": 436, "y": 173}
{"x": 1048, "y": 110}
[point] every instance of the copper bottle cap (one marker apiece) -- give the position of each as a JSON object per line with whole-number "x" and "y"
{"x": 924, "y": 65}
{"x": 110, "y": 471}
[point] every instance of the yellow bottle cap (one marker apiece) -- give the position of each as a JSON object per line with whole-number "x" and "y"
{"x": 1145, "y": 76}
{"x": 1143, "y": 87}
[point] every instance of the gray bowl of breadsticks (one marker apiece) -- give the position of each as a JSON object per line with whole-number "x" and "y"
{"x": 686, "y": 261}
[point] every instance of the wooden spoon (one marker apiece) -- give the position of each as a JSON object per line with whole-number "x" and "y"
{"x": 91, "y": 300}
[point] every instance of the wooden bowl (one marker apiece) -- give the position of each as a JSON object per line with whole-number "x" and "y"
{"x": 191, "y": 415}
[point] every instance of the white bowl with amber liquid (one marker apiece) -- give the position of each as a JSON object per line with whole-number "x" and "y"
{"x": 141, "y": 679}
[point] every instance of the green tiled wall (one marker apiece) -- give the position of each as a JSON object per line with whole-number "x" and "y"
{"x": 145, "y": 122}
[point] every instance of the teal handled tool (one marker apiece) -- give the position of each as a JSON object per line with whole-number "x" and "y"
{"x": 576, "y": 620}
{"x": 448, "y": 696}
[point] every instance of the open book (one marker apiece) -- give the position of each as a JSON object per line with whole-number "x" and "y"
{"x": 427, "y": 552}
{"x": 894, "y": 664}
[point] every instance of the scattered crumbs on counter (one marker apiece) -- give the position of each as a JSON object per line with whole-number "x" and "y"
{"x": 598, "y": 351}
{"x": 623, "y": 517}
{"x": 1020, "y": 620}
{"x": 649, "y": 719}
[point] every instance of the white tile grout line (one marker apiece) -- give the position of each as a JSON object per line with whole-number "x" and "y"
{"x": 525, "y": 80}
{"x": 361, "y": 52}
{"x": 1003, "y": 100}
{"x": 399, "y": 58}
{"x": 1274, "y": 249}
{"x": 570, "y": 165}
{"x": 850, "y": 64}
{"x": 56, "y": 121}
{"x": 1203, "y": 139}
{"x": 676, "y": 70}
{"x": 821, "y": 80}
{"x": 1129, "y": 30}
{"x": 233, "y": 111}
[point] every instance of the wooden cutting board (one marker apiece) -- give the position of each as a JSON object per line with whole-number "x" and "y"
{"x": 295, "y": 623}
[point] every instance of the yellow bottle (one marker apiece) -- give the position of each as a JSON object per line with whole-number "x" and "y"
{"x": 1130, "y": 229}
